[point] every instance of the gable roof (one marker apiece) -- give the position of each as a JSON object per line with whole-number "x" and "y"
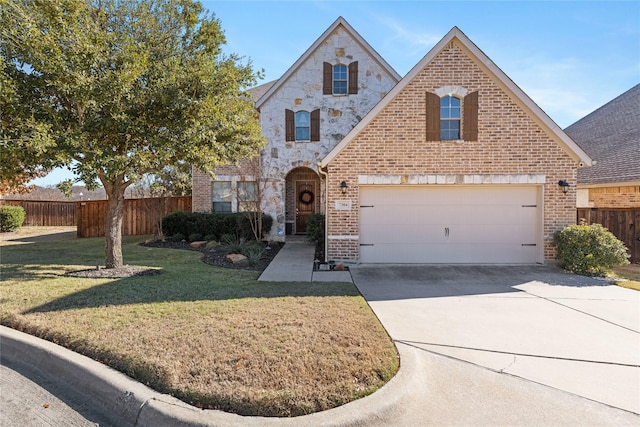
{"x": 611, "y": 136}
{"x": 543, "y": 119}
{"x": 340, "y": 22}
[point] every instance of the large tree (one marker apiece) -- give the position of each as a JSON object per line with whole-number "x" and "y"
{"x": 125, "y": 87}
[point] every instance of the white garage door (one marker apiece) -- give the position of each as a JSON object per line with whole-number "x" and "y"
{"x": 450, "y": 224}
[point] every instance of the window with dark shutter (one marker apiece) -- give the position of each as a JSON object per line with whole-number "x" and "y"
{"x": 315, "y": 125}
{"x": 327, "y": 79}
{"x": 353, "y": 78}
{"x": 289, "y": 125}
{"x": 433, "y": 117}
{"x": 340, "y": 76}
{"x": 470, "y": 121}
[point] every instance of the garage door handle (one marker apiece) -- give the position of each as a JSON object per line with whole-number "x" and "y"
{"x": 446, "y": 232}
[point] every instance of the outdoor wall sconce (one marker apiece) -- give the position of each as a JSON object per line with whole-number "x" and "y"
{"x": 343, "y": 187}
{"x": 564, "y": 185}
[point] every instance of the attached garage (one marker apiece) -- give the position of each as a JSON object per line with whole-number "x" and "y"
{"x": 484, "y": 224}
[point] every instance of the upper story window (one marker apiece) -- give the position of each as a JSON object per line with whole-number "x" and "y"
{"x": 302, "y": 126}
{"x": 340, "y": 79}
{"x": 449, "y": 118}
{"x": 452, "y": 118}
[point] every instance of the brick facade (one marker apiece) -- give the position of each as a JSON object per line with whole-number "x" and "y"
{"x": 615, "y": 197}
{"x": 512, "y": 145}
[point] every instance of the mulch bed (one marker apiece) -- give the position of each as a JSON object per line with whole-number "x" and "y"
{"x": 216, "y": 256}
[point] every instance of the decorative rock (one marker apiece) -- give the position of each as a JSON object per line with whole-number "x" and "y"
{"x": 198, "y": 244}
{"x": 236, "y": 258}
{"x": 339, "y": 267}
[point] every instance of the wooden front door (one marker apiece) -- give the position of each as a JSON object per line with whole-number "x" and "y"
{"x": 305, "y": 204}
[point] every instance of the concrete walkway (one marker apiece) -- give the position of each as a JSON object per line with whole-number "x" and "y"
{"x": 294, "y": 263}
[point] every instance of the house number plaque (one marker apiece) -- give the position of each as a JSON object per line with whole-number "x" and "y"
{"x": 343, "y": 205}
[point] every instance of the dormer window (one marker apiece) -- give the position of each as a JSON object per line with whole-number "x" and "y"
{"x": 449, "y": 118}
{"x": 340, "y": 79}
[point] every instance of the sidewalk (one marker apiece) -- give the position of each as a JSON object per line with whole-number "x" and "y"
{"x": 294, "y": 263}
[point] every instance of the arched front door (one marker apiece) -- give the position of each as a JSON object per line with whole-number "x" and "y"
{"x": 303, "y": 191}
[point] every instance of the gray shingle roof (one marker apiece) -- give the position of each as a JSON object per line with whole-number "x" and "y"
{"x": 257, "y": 91}
{"x": 611, "y": 137}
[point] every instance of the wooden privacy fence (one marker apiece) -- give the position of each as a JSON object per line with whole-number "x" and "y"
{"x": 46, "y": 213}
{"x": 624, "y": 223}
{"x": 140, "y": 215}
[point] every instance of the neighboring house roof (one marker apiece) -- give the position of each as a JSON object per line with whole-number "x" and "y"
{"x": 257, "y": 91}
{"x": 575, "y": 151}
{"x": 338, "y": 22}
{"x": 611, "y": 136}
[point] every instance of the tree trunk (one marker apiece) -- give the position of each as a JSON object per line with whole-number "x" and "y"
{"x": 113, "y": 222}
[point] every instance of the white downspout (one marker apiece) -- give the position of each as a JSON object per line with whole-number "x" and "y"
{"x": 326, "y": 211}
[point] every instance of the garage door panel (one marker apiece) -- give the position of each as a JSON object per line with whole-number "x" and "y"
{"x": 449, "y": 254}
{"x": 449, "y": 224}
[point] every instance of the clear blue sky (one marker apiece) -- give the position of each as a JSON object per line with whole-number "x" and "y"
{"x": 570, "y": 57}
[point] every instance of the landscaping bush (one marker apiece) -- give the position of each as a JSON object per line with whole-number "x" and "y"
{"x": 178, "y": 237}
{"x": 254, "y": 251}
{"x": 212, "y": 225}
{"x": 195, "y": 237}
{"x": 11, "y": 218}
{"x": 315, "y": 228}
{"x": 589, "y": 250}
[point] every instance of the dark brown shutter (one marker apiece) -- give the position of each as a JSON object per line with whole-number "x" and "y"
{"x": 353, "y": 78}
{"x": 289, "y": 125}
{"x": 433, "y": 117}
{"x": 315, "y": 125}
{"x": 470, "y": 123}
{"x": 327, "y": 79}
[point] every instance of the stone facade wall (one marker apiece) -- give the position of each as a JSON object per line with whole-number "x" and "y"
{"x": 338, "y": 114}
{"x": 393, "y": 146}
{"x": 303, "y": 92}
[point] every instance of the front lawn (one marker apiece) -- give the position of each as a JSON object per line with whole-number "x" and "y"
{"x": 627, "y": 276}
{"x": 213, "y": 337}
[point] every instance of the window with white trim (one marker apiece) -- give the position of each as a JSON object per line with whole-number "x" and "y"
{"x": 339, "y": 79}
{"x": 449, "y": 118}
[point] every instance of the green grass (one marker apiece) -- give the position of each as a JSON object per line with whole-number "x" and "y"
{"x": 627, "y": 276}
{"x": 213, "y": 337}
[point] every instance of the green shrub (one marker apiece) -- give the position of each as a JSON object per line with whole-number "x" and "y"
{"x": 210, "y": 237}
{"x": 315, "y": 228}
{"x": 212, "y": 224}
{"x": 589, "y": 250}
{"x": 11, "y": 218}
{"x": 178, "y": 237}
{"x": 195, "y": 237}
{"x": 254, "y": 251}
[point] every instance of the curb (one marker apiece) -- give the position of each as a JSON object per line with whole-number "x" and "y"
{"x": 126, "y": 402}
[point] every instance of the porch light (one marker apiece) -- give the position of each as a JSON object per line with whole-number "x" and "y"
{"x": 564, "y": 185}
{"x": 343, "y": 187}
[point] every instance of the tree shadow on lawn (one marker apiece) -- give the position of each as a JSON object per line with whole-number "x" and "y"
{"x": 173, "y": 287}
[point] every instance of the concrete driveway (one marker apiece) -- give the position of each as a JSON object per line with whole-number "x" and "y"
{"x": 571, "y": 333}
